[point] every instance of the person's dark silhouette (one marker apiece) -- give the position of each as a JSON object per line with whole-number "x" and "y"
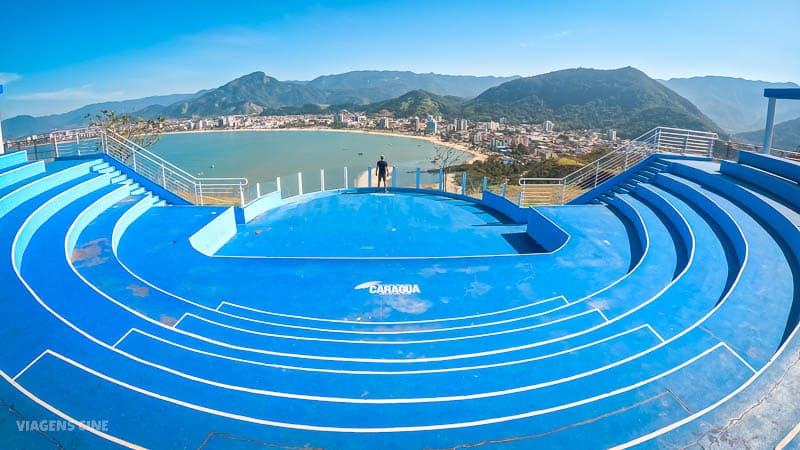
{"x": 382, "y": 170}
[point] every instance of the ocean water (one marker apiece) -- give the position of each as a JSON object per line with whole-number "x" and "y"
{"x": 263, "y": 156}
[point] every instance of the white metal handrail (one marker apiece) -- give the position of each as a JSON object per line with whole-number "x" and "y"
{"x": 200, "y": 190}
{"x": 538, "y": 191}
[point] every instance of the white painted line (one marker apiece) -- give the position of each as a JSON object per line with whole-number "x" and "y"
{"x": 395, "y": 342}
{"x": 393, "y": 372}
{"x": 600, "y": 311}
{"x": 653, "y": 330}
{"x": 788, "y": 438}
{"x": 175, "y": 325}
{"x": 408, "y": 322}
{"x": 394, "y": 429}
{"x": 65, "y": 416}
{"x": 31, "y": 364}
{"x": 122, "y": 338}
{"x": 739, "y": 357}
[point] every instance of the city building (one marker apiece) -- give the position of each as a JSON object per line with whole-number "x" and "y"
{"x": 385, "y": 123}
{"x": 431, "y": 126}
{"x": 611, "y": 135}
{"x": 548, "y": 126}
{"x": 461, "y": 124}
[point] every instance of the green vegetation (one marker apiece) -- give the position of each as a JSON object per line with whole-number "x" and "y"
{"x": 624, "y": 99}
{"x": 143, "y": 132}
{"x": 498, "y": 171}
{"x": 417, "y": 103}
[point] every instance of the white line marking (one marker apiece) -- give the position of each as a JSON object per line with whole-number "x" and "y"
{"x": 175, "y": 325}
{"x": 653, "y": 330}
{"x": 65, "y": 416}
{"x": 395, "y": 429}
{"x": 788, "y": 438}
{"x": 122, "y": 338}
{"x": 395, "y": 342}
{"x": 31, "y": 364}
{"x": 600, "y": 311}
{"x": 739, "y": 357}
{"x": 393, "y": 372}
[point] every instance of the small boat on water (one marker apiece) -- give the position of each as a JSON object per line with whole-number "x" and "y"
{"x": 360, "y": 153}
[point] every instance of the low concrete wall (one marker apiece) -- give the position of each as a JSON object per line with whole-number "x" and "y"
{"x": 127, "y": 218}
{"x": 505, "y": 207}
{"x": 546, "y": 233}
{"x": 215, "y": 233}
{"x": 258, "y": 207}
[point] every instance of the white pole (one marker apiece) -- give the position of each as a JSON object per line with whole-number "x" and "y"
{"x": 2, "y": 145}
{"x": 769, "y": 128}
{"x": 321, "y": 179}
{"x": 300, "y": 183}
{"x": 346, "y": 181}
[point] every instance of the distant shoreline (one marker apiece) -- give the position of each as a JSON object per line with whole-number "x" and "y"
{"x": 474, "y": 155}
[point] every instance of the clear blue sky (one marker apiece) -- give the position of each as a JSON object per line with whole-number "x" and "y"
{"x": 56, "y": 56}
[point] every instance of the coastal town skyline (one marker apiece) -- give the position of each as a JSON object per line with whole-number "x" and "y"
{"x": 92, "y": 55}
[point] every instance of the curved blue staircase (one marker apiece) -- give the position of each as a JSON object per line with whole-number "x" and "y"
{"x": 668, "y": 318}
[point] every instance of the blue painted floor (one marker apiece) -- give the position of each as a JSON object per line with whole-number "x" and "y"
{"x": 669, "y": 297}
{"x": 380, "y": 224}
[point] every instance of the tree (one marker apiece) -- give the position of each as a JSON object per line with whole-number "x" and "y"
{"x": 144, "y": 133}
{"x": 443, "y": 157}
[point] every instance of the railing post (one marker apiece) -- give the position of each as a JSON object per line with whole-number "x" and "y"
{"x": 463, "y": 183}
{"x": 163, "y": 175}
{"x": 241, "y": 195}
{"x": 503, "y": 191}
{"x": 626, "y": 160}
{"x": 596, "y": 172}
{"x": 369, "y": 177}
{"x": 519, "y": 199}
{"x": 134, "y": 161}
{"x": 563, "y": 193}
{"x": 418, "y": 172}
{"x": 441, "y": 179}
{"x": 55, "y": 144}
{"x": 346, "y": 181}
{"x": 485, "y": 184}
{"x": 322, "y": 179}
{"x": 199, "y": 187}
{"x": 393, "y": 176}
{"x": 278, "y": 183}
{"x": 300, "y": 183}
{"x": 258, "y": 190}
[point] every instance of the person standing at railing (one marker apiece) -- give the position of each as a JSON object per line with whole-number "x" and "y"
{"x": 382, "y": 170}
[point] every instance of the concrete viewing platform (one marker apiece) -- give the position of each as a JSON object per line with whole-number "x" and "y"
{"x": 659, "y": 311}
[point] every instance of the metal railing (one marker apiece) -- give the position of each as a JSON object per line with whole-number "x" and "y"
{"x": 88, "y": 141}
{"x": 559, "y": 191}
{"x": 198, "y": 190}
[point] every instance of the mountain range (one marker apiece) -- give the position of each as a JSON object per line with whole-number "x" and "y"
{"x": 625, "y": 99}
{"x": 735, "y": 104}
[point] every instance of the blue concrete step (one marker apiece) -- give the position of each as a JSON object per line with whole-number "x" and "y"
{"x": 681, "y": 304}
{"x": 430, "y": 347}
{"x": 779, "y": 193}
{"x": 371, "y": 382}
{"x": 725, "y": 368}
{"x": 12, "y": 159}
{"x": 742, "y": 318}
{"x": 779, "y": 166}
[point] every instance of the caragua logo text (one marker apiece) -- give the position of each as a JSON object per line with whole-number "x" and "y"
{"x": 377, "y": 287}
